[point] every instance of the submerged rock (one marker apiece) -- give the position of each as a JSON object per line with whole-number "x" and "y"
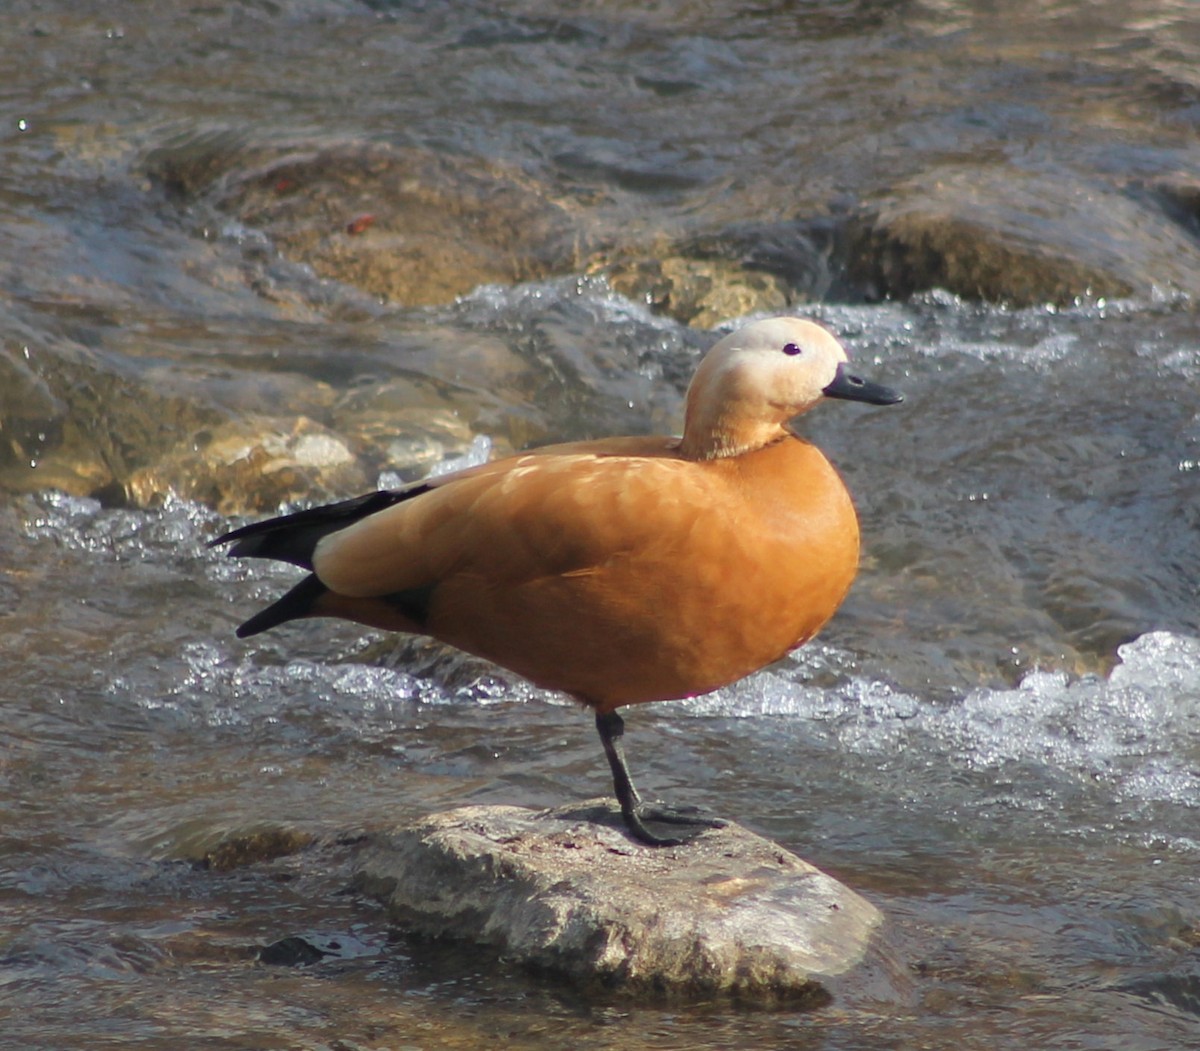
{"x": 405, "y": 224}
{"x": 70, "y": 421}
{"x": 567, "y": 892}
{"x": 1011, "y": 237}
{"x": 292, "y": 951}
{"x": 224, "y": 850}
{"x": 251, "y": 465}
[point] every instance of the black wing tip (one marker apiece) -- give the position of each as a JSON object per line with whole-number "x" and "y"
{"x": 259, "y": 623}
{"x": 242, "y": 544}
{"x": 295, "y": 604}
{"x": 230, "y": 536}
{"x": 249, "y": 540}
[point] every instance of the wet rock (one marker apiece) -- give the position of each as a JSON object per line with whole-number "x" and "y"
{"x": 252, "y": 465}
{"x": 410, "y": 441}
{"x": 728, "y": 269}
{"x": 408, "y": 225}
{"x": 1017, "y": 238}
{"x": 699, "y": 292}
{"x": 68, "y": 422}
{"x": 567, "y": 892}
{"x": 72, "y": 469}
{"x": 1180, "y": 991}
{"x": 451, "y": 382}
{"x": 31, "y": 415}
{"x": 293, "y": 951}
{"x": 1177, "y": 194}
{"x": 302, "y": 950}
{"x": 249, "y": 847}
{"x": 418, "y": 228}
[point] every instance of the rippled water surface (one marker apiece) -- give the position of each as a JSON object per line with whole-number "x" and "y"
{"x": 998, "y": 738}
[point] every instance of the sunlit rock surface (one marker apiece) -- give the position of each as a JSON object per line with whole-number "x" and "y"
{"x": 702, "y": 292}
{"x": 408, "y": 225}
{"x": 567, "y": 892}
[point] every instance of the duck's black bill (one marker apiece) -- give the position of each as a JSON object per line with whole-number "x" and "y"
{"x": 855, "y": 388}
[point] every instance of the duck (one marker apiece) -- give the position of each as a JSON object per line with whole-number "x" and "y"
{"x": 619, "y": 571}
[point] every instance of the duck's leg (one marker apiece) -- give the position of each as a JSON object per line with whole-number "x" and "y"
{"x": 611, "y": 728}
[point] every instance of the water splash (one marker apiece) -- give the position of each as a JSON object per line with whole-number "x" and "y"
{"x": 1126, "y": 742}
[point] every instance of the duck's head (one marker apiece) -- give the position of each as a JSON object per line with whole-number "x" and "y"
{"x": 757, "y": 378}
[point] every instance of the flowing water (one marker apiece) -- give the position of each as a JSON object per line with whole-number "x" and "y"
{"x": 997, "y": 740}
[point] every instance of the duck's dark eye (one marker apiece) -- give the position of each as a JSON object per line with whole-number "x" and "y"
{"x": 791, "y": 349}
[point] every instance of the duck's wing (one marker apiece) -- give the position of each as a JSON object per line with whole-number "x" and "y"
{"x": 552, "y": 511}
{"x": 293, "y": 537}
{"x": 376, "y": 558}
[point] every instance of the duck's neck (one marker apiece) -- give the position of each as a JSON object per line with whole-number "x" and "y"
{"x": 720, "y": 437}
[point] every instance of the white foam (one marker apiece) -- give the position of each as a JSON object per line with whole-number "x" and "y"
{"x": 218, "y": 688}
{"x": 1135, "y": 734}
{"x": 479, "y": 451}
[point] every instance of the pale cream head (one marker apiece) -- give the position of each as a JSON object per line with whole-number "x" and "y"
{"x": 755, "y": 380}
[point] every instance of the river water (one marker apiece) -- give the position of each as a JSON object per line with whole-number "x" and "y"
{"x": 263, "y": 252}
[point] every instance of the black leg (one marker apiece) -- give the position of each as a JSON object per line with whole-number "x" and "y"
{"x": 611, "y": 728}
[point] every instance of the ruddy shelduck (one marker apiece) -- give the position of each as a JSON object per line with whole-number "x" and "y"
{"x": 621, "y": 570}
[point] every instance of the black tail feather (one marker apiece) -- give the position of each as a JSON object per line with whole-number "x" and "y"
{"x": 292, "y": 538}
{"x": 296, "y": 603}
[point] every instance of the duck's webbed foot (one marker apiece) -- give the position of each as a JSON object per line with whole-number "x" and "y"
{"x": 694, "y": 819}
{"x": 636, "y": 813}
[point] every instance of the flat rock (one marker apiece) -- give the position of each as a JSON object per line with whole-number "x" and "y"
{"x": 567, "y": 892}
